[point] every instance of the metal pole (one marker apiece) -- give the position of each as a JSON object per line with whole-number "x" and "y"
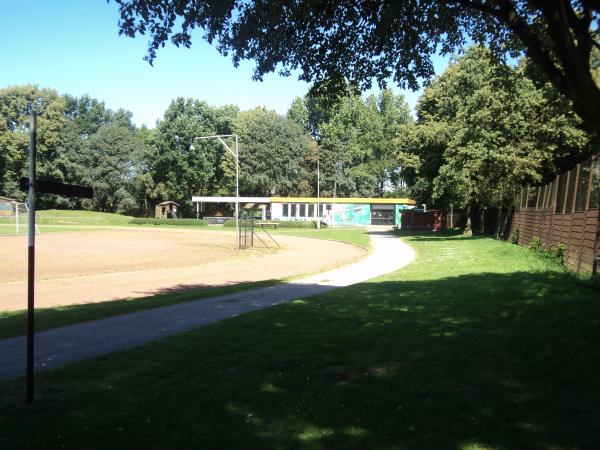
{"x": 318, "y": 195}
{"x": 31, "y": 260}
{"x": 16, "y": 206}
{"x": 237, "y": 182}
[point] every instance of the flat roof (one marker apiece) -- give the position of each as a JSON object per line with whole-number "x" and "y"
{"x": 231, "y": 199}
{"x": 358, "y": 200}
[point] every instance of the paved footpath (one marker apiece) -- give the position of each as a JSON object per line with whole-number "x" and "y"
{"x": 72, "y": 343}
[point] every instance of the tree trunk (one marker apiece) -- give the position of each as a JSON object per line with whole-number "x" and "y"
{"x": 468, "y": 226}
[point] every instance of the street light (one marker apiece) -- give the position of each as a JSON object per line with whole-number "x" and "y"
{"x": 318, "y": 194}
{"x": 237, "y": 172}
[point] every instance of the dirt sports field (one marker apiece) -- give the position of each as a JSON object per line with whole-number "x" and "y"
{"x": 96, "y": 266}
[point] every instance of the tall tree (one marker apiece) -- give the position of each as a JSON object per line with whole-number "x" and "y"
{"x": 16, "y": 104}
{"x": 109, "y": 161}
{"x": 89, "y": 114}
{"x": 356, "y": 143}
{"x": 364, "y": 40}
{"x": 273, "y": 150}
{"x": 483, "y": 130}
{"x": 186, "y": 168}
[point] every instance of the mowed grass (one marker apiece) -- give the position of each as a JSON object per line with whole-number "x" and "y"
{"x": 80, "y": 217}
{"x": 356, "y": 236}
{"x": 478, "y": 344}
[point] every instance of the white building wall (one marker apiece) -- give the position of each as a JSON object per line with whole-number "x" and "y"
{"x": 276, "y": 211}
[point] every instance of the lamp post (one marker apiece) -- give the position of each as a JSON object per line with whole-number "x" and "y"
{"x": 318, "y": 195}
{"x": 235, "y": 154}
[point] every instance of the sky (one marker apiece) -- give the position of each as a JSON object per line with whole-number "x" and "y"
{"x": 73, "y": 46}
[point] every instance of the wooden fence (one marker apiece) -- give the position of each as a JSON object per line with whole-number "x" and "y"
{"x": 566, "y": 212}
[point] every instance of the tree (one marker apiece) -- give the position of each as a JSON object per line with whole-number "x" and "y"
{"x": 362, "y": 41}
{"x": 484, "y": 130}
{"x": 356, "y": 141}
{"x": 89, "y": 114}
{"x": 180, "y": 169}
{"x": 16, "y": 104}
{"x": 273, "y": 151}
{"x": 109, "y": 161}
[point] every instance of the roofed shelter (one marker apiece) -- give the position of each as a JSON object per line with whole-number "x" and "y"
{"x": 166, "y": 210}
{"x": 334, "y": 211}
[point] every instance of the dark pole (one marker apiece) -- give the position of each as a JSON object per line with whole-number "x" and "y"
{"x": 31, "y": 259}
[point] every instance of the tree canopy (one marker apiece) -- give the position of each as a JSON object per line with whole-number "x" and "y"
{"x": 483, "y": 130}
{"x": 362, "y": 41}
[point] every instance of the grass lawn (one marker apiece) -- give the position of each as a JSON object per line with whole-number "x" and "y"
{"x": 478, "y": 344}
{"x": 80, "y": 217}
{"x": 356, "y": 236}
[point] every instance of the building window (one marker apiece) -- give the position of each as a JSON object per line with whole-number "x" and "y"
{"x": 311, "y": 210}
{"x": 293, "y": 210}
{"x": 582, "y": 186}
{"x": 302, "y": 210}
{"x": 285, "y": 210}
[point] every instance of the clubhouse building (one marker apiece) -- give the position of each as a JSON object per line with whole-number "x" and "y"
{"x": 333, "y": 211}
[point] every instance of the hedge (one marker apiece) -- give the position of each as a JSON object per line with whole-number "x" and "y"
{"x": 282, "y": 223}
{"x": 176, "y": 222}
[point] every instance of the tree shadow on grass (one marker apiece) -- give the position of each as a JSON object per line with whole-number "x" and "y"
{"x": 512, "y": 363}
{"x": 506, "y": 361}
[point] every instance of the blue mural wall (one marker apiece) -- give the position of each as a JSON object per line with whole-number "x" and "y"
{"x": 350, "y": 214}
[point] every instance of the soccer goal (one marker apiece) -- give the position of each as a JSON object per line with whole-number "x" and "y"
{"x": 14, "y": 218}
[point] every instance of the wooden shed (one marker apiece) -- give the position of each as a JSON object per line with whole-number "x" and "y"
{"x": 166, "y": 210}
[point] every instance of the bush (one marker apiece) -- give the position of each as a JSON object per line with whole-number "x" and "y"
{"x": 176, "y": 222}
{"x": 514, "y": 238}
{"x": 561, "y": 249}
{"x": 535, "y": 244}
{"x": 282, "y": 223}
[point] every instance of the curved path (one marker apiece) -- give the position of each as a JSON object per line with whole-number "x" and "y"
{"x": 89, "y": 339}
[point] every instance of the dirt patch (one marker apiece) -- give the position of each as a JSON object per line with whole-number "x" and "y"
{"x": 96, "y": 266}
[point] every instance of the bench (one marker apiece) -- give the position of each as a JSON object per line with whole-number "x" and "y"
{"x": 268, "y": 224}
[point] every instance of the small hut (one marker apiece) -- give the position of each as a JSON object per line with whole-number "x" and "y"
{"x": 166, "y": 210}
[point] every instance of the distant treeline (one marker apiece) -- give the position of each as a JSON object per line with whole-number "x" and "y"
{"x": 482, "y": 130}
{"x": 131, "y": 169}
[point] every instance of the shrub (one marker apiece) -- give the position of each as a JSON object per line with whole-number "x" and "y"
{"x": 535, "y": 244}
{"x": 176, "y": 222}
{"x": 561, "y": 249}
{"x": 514, "y": 238}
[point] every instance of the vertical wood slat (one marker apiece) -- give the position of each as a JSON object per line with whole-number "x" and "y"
{"x": 567, "y": 227}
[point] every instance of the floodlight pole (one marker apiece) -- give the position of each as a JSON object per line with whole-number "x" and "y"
{"x": 318, "y": 194}
{"x": 236, "y": 155}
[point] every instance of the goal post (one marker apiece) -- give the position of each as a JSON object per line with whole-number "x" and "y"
{"x": 14, "y": 218}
